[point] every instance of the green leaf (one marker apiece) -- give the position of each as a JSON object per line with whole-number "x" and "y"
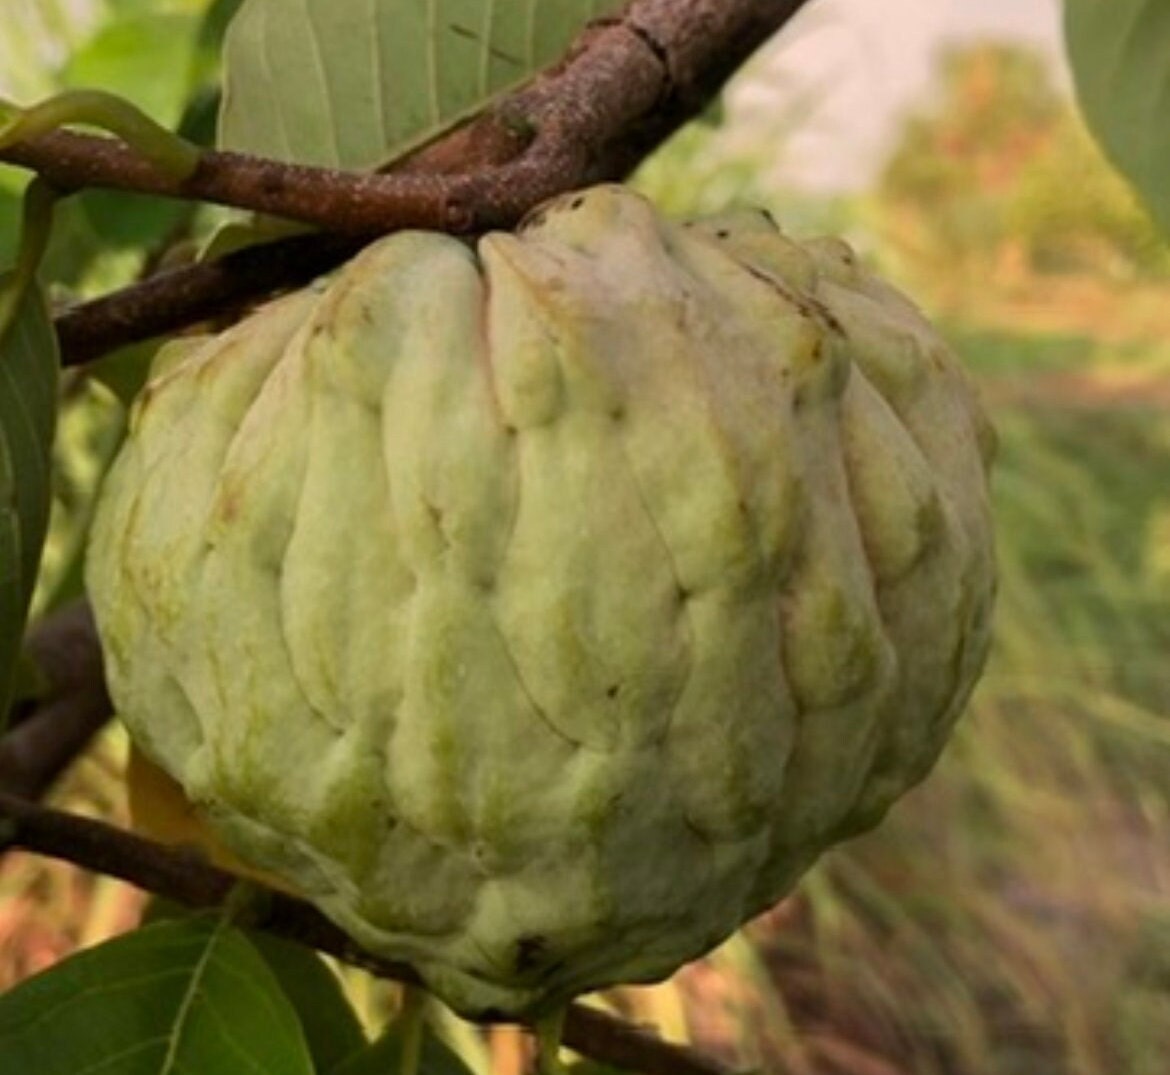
{"x": 202, "y": 113}
{"x": 87, "y": 226}
{"x": 90, "y": 428}
{"x": 172, "y": 998}
{"x": 383, "y": 1056}
{"x": 147, "y": 58}
{"x": 10, "y": 190}
{"x": 331, "y": 1026}
{"x": 28, "y": 410}
{"x": 211, "y": 34}
{"x": 332, "y": 1029}
{"x": 1120, "y": 54}
{"x": 127, "y": 221}
{"x": 353, "y": 83}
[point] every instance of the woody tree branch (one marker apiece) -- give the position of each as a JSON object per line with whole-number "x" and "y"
{"x": 626, "y": 85}
{"x": 45, "y": 735}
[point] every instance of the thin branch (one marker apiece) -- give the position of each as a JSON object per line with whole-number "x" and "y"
{"x": 182, "y": 297}
{"x": 353, "y": 202}
{"x": 179, "y": 875}
{"x": 632, "y": 1048}
{"x": 188, "y": 879}
{"x": 625, "y": 86}
{"x": 46, "y": 736}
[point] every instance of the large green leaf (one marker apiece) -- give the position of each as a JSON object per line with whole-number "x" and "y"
{"x": 384, "y": 1056}
{"x": 28, "y": 409}
{"x": 1120, "y": 53}
{"x": 351, "y": 83}
{"x": 202, "y": 114}
{"x": 331, "y": 1026}
{"x": 174, "y": 998}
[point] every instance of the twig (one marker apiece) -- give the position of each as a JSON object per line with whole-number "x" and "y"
{"x": 187, "y": 879}
{"x": 626, "y": 85}
{"x": 44, "y": 738}
{"x": 353, "y": 202}
{"x": 182, "y": 297}
{"x": 632, "y": 1048}
{"x": 178, "y": 875}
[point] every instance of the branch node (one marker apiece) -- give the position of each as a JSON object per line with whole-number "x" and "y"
{"x": 458, "y": 216}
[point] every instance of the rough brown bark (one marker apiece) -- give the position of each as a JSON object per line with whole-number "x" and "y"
{"x": 625, "y": 86}
{"x": 45, "y": 737}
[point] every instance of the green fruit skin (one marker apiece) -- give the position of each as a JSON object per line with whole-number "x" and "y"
{"x": 541, "y": 611}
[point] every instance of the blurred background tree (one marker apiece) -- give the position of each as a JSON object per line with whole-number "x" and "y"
{"x": 997, "y": 180}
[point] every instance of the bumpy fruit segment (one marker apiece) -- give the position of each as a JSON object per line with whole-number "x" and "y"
{"x": 542, "y": 610}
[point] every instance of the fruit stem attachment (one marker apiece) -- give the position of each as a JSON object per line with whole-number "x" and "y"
{"x": 412, "y": 1023}
{"x": 247, "y": 905}
{"x": 549, "y": 1030}
{"x": 175, "y": 157}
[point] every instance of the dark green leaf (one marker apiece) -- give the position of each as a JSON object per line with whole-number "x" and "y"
{"x": 28, "y": 410}
{"x": 211, "y": 34}
{"x": 202, "y": 112}
{"x": 9, "y": 215}
{"x": 84, "y": 226}
{"x": 1120, "y": 54}
{"x": 331, "y": 1027}
{"x": 199, "y": 119}
{"x": 330, "y": 1024}
{"x": 384, "y": 1055}
{"x": 176, "y": 997}
{"x": 352, "y": 83}
{"x": 118, "y": 219}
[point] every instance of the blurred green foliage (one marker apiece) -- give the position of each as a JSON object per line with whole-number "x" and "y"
{"x": 162, "y": 55}
{"x": 998, "y": 174}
